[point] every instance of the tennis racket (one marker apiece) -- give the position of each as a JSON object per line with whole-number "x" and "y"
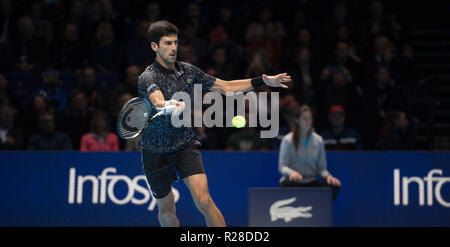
{"x": 135, "y": 117}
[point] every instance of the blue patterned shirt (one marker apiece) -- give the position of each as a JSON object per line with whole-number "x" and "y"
{"x": 161, "y": 136}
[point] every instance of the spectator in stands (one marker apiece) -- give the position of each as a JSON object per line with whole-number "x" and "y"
{"x": 256, "y": 29}
{"x": 340, "y": 92}
{"x": 129, "y": 85}
{"x": 190, "y": 39}
{"x": 38, "y": 105}
{"x": 219, "y": 36}
{"x": 300, "y": 20}
{"x": 76, "y": 118}
{"x": 247, "y": 139}
{"x": 288, "y": 110}
{"x": 7, "y": 94}
{"x": 28, "y": 52}
{"x": 77, "y": 16}
{"x": 397, "y": 58}
{"x": 99, "y": 138}
{"x": 5, "y": 21}
{"x": 382, "y": 97}
{"x": 4, "y": 90}
{"x": 48, "y": 138}
{"x": 11, "y": 136}
{"x": 6, "y": 28}
{"x": 338, "y": 26}
{"x": 302, "y": 156}
{"x": 137, "y": 51}
{"x": 68, "y": 52}
{"x": 381, "y": 23}
{"x": 305, "y": 85}
{"x": 152, "y": 12}
{"x": 381, "y": 55}
{"x": 106, "y": 12}
{"x": 344, "y": 34}
{"x": 346, "y": 61}
{"x": 338, "y": 136}
{"x": 404, "y": 70}
{"x": 130, "y": 144}
{"x": 44, "y": 28}
{"x": 121, "y": 94}
{"x": 219, "y": 65}
{"x": 193, "y": 15}
{"x": 401, "y": 134}
{"x": 98, "y": 94}
{"x": 303, "y": 38}
{"x": 258, "y": 64}
{"x": 186, "y": 54}
{"x": 267, "y": 33}
{"x": 288, "y": 107}
{"x": 56, "y": 97}
{"x": 327, "y": 76}
{"x": 107, "y": 53}
{"x": 230, "y": 21}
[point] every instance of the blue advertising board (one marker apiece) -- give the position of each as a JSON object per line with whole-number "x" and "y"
{"x": 109, "y": 189}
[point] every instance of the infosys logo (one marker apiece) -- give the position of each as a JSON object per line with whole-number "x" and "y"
{"x": 432, "y": 183}
{"x": 103, "y": 185}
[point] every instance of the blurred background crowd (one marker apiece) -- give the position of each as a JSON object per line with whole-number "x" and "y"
{"x": 67, "y": 67}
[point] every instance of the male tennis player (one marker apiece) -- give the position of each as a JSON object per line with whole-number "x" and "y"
{"x": 167, "y": 149}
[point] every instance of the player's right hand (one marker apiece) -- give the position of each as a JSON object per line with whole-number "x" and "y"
{"x": 295, "y": 177}
{"x": 180, "y": 107}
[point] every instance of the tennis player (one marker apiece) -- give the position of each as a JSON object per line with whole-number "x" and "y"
{"x": 166, "y": 149}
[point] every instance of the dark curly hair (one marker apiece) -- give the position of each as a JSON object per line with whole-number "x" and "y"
{"x": 159, "y": 29}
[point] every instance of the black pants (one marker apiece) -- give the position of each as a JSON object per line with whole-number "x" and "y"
{"x": 286, "y": 183}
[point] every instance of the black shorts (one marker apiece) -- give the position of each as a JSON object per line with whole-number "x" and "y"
{"x": 160, "y": 169}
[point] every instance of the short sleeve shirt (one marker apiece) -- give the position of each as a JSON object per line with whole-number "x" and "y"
{"x": 161, "y": 136}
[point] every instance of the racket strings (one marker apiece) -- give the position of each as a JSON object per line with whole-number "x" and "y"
{"x": 134, "y": 117}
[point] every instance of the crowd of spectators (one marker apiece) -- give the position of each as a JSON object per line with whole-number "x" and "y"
{"x": 350, "y": 63}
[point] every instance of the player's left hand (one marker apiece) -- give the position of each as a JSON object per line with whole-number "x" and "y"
{"x": 276, "y": 80}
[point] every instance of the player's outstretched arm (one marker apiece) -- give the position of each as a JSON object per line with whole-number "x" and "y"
{"x": 249, "y": 84}
{"x": 157, "y": 99}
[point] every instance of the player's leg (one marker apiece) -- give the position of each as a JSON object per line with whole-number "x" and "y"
{"x": 198, "y": 186}
{"x": 190, "y": 166}
{"x": 160, "y": 174}
{"x": 166, "y": 211}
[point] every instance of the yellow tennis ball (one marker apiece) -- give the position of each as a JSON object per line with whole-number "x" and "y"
{"x": 238, "y": 121}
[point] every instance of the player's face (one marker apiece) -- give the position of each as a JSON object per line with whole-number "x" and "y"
{"x": 167, "y": 48}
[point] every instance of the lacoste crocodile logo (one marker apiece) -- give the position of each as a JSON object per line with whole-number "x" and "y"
{"x": 279, "y": 210}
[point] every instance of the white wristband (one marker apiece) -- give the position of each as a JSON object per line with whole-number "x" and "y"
{"x": 168, "y": 108}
